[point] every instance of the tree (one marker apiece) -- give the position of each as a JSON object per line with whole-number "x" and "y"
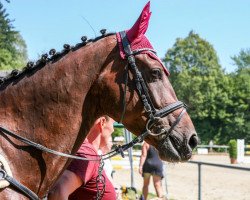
{"x": 239, "y": 123}
{"x": 13, "y": 53}
{"x": 199, "y": 81}
{"x": 118, "y": 131}
{"x": 243, "y": 59}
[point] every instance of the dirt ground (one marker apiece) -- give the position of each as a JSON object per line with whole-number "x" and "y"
{"x": 182, "y": 180}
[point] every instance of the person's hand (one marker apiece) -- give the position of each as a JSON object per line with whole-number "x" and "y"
{"x": 140, "y": 170}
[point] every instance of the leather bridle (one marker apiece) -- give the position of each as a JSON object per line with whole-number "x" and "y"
{"x": 153, "y": 117}
{"x": 153, "y": 114}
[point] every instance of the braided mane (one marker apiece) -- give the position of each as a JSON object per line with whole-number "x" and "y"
{"x": 52, "y": 57}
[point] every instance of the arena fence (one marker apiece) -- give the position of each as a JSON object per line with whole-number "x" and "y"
{"x": 223, "y": 148}
{"x": 213, "y": 165}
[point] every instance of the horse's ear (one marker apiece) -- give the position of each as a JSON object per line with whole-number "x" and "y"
{"x": 141, "y": 25}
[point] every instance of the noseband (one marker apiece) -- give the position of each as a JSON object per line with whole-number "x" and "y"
{"x": 153, "y": 114}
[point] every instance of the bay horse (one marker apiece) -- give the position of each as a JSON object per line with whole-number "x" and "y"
{"x": 55, "y": 101}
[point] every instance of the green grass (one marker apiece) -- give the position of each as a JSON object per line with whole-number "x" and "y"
{"x": 132, "y": 196}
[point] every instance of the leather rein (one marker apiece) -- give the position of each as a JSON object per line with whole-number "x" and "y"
{"x": 153, "y": 116}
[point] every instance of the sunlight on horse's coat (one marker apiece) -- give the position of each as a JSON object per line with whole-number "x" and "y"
{"x": 55, "y": 101}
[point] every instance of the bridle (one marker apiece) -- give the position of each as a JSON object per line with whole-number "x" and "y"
{"x": 153, "y": 117}
{"x": 153, "y": 114}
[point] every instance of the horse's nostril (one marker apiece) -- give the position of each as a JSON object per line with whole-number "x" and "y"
{"x": 193, "y": 141}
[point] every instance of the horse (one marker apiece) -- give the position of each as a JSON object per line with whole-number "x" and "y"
{"x": 55, "y": 101}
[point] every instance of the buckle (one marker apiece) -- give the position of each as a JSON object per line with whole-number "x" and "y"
{"x": 119, "y": 149}
{"x": 2, "y": 174}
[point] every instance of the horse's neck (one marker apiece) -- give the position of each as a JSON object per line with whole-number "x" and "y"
{"x": 47, "y": 108}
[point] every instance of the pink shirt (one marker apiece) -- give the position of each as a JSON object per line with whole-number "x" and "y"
{"x": 88, "y": 171}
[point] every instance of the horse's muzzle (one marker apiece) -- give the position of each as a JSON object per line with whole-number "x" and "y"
{"x": 176, "y": 148}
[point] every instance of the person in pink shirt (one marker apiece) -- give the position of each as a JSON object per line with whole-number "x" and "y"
{"x": 78, "y": 181}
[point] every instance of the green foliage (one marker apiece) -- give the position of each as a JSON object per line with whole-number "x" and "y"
{"x": 239, "y": 122}
{"x": 218, "y": 102}
{"x": 232, "y": 148}
{"x": 133, "y": 196}
{"x": 118, "y": 132}
{"x": 243, "y": 59}
{"x": 199, "y": 81}
{"x": 13, "y": 52}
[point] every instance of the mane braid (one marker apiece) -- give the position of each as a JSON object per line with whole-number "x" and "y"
{"x": 31, "y": 67}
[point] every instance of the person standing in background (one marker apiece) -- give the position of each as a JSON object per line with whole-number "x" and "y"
{"x": 151, "y": 165}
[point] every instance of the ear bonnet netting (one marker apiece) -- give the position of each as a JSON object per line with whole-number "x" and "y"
{"x": 136, "y": 36}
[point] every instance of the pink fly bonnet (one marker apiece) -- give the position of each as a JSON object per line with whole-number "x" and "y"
{"x": 136, "y": 37}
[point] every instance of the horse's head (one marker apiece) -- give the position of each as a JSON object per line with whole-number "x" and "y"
{"x": 142, "y": 96}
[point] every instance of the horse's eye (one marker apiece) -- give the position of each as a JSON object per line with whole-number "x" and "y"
{"x": 156, "y": 73}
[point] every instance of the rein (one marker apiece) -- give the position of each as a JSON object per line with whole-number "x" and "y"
{"x": 118, "y": 150}
{"x": 154, "y": 115}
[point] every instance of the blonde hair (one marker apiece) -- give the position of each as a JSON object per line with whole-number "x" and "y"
{"x": 106, "y": 117}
